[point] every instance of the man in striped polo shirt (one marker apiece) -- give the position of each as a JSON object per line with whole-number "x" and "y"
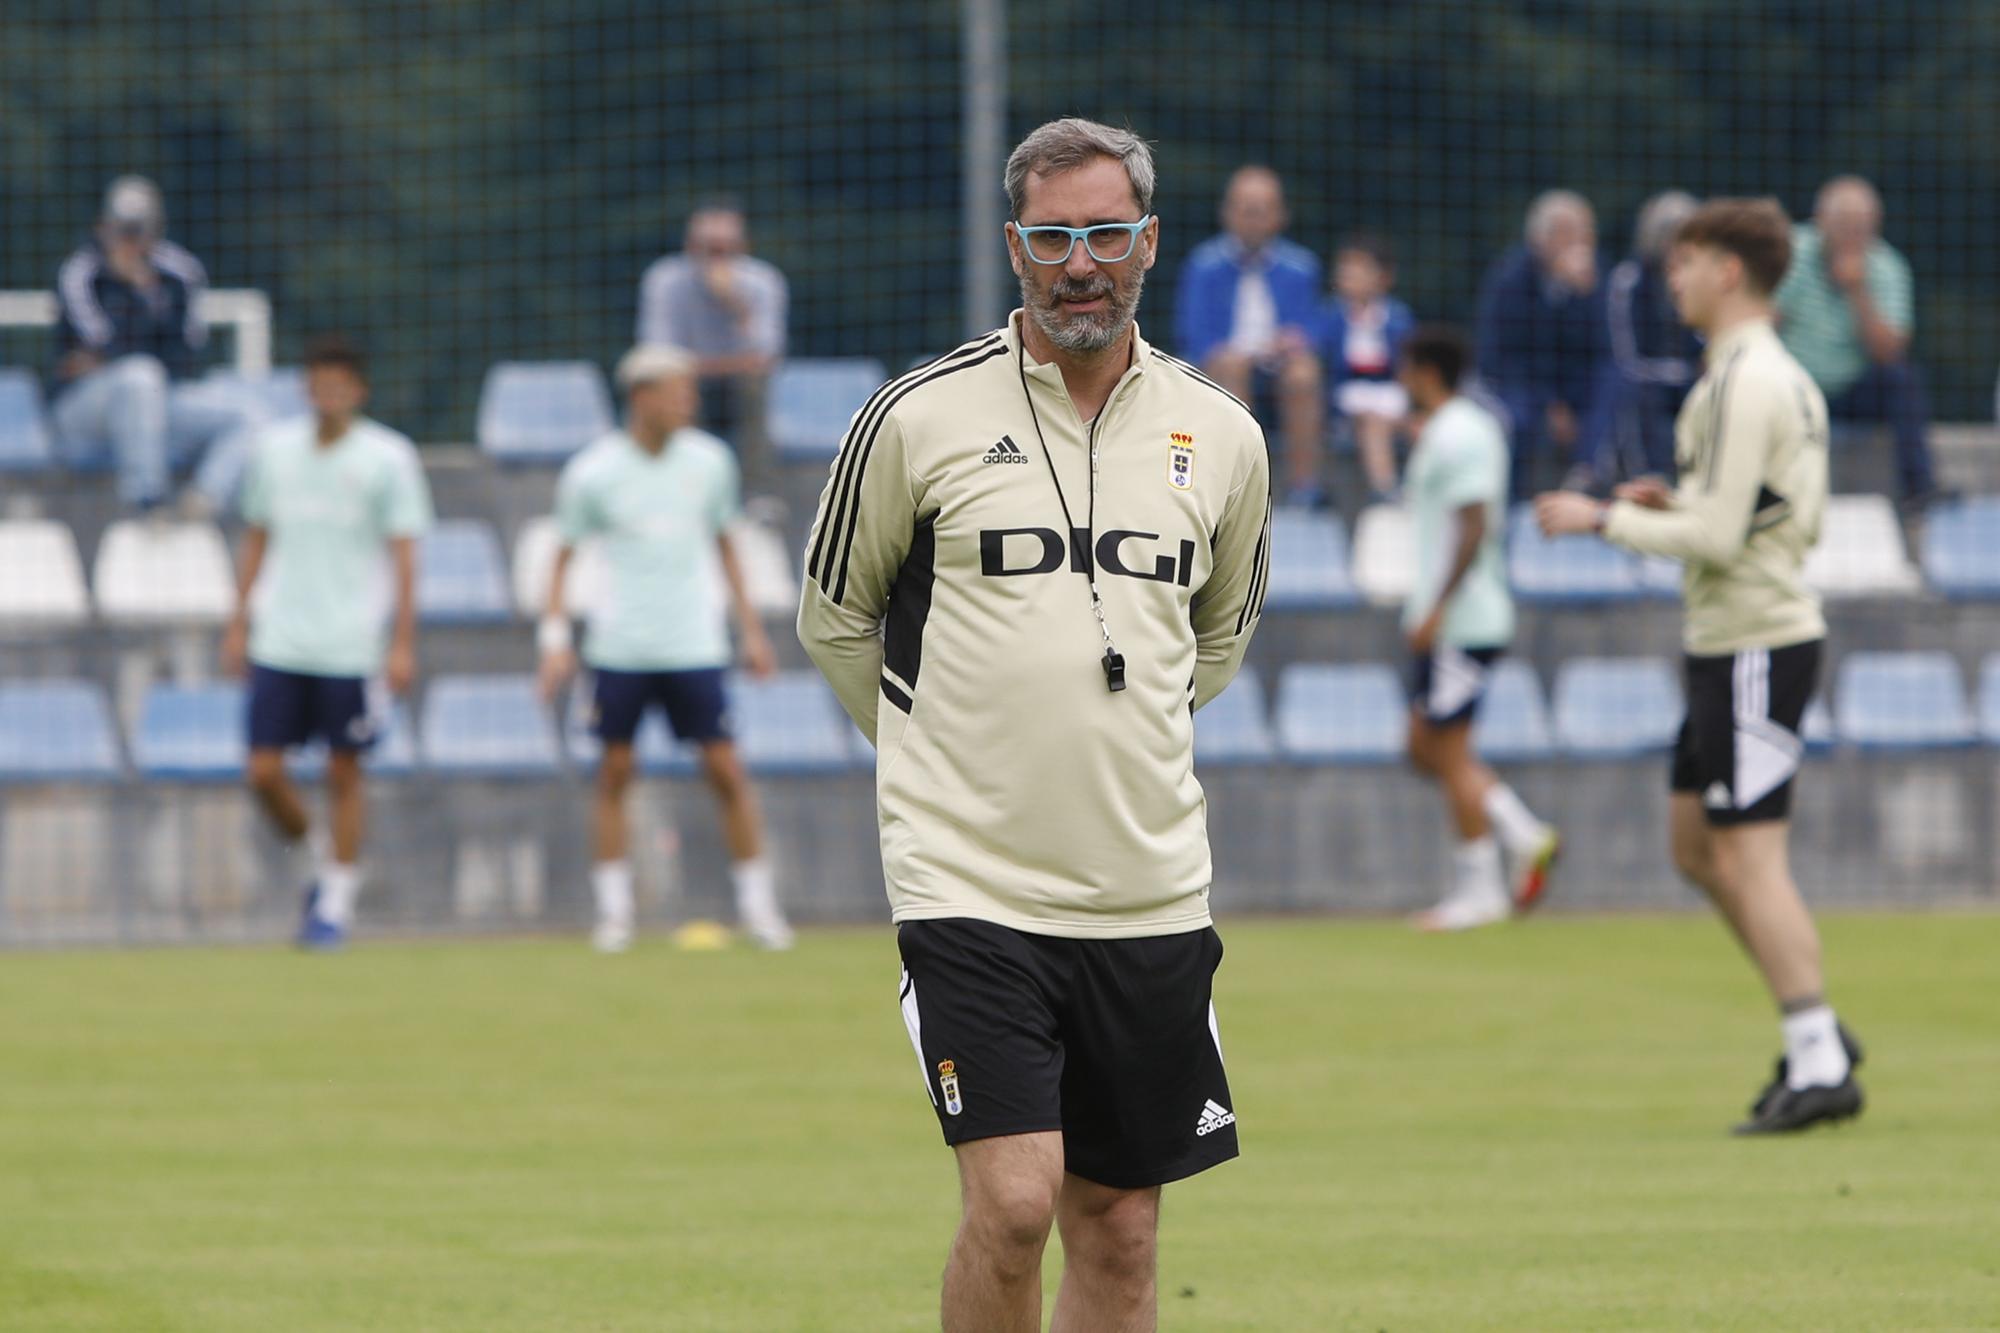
{"x": 1846, "y": 311}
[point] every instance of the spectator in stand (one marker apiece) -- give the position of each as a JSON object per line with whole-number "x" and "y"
{"x": 1846, "y": 311}
{"x": 129, "y": 342}
{"x": 1654, "y": 359}
{"x": 1246, "y": 314}
{"x": 1360, "y": 339}
{"x": 1542, "y": 343}
{"x": 718, "y": 301}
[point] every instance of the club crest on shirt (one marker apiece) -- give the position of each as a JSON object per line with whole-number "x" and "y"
{"x": 1180, "y": 461}
{"x": 948, "y": 1084}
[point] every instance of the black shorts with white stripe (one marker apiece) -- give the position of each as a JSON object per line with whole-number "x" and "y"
{"x": 1448, "y": 683}
{"x": 1740, "y": 745}
{"x": 1111, "y": 1043}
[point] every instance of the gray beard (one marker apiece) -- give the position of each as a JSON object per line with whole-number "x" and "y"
{"x": 1083, "y": 335}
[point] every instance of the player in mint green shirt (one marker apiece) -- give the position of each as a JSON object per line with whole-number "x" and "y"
{"x": 1458, "y": 621}
{"x": 327, "y": 500}
{"x": 657, "y": 499}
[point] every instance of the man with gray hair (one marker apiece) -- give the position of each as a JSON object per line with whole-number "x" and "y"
{"x": 1034, "y": 558}
{"x": 658, "y": 497}
{"x": 1541, "y": 341}
{"x": 1654, "y": 360}
{"x": 1847, "y": 310}
{"x": 129, "y": 342}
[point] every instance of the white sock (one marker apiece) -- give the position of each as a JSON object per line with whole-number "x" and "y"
{"x": 1513, "y": 820}
{"x": 611, "y": 882}
{"x": 1814, "y": 1056}
{"x": 1477, "y": 862}
{"x": 756, "y": 888}
{"x": 339, "y": 886}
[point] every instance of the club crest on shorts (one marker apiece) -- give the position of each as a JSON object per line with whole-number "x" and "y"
{"x": 948, "y": 1084}
{"x": 1180, "y": 461}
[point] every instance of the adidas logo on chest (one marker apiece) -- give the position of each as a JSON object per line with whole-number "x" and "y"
{"x": 1005, "y": 451}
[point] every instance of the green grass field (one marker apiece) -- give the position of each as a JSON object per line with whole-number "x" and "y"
{"x": 1521, "y": 1130}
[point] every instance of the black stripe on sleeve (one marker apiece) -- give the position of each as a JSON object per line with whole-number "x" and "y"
{"x": 846, "y": 463}
{"x": 1253, "y": 595}
{"x": 895, "y": 695}
{"x": 1720, "y": 414}
{"x": 844, "y": 544}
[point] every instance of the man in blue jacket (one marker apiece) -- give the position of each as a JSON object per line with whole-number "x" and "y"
{"x": 1542, "y": 337}
{"x": 1246, "y": 313}
{"x": 129, "y": 342}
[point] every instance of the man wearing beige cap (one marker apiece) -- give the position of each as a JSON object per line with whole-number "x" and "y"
{"x": 129, "y": 343}
{"x": 658, "y": 498}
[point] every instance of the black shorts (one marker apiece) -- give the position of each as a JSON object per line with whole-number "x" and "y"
{"x": 1112, "y": 1043}
{"x": 1448, "y": 685}
{"x": 695, "y": 702}
{"x": 289, "y": 708}
{"x": 1740, "y": 747}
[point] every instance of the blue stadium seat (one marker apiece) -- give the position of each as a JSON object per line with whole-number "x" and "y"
{"x": 790, "y": 724}
{"x": 1567, "y": 569}
{"x": 282, "y": 391}
{"x": 1616, "y": 707}
{"x": 1902, "y": 701}
{"x": 1232, "y": 729}
{"x": 541, "y": 412}
{"x": 195, "y": 733}
{"x": 1816, "y": 728}
{"x": 1513, "y": 722}
{"x": 487, "y": 727}
{"x": 461, "y": 578}
{"x": 1989, "y": 699}
{"x": 56, "y": 731}
{"x": 1962, "y": 548}
{"x": 25, "y": 443}
{"x": 1309, "y": 570}
{"x": 812, "y": 401}
{"x": 1350, "y": 714}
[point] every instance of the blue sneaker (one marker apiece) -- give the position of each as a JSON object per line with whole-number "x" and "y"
{"x": 316, "y": 933}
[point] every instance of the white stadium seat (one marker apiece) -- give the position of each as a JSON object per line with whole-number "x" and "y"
{"x": 1384, "y": 565}
{"x": 1860, "y": 551}
{"x": 41, "y": 575}
{"x": 150, "y": 572}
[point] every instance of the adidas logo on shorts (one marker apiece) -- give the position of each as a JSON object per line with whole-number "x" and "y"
{"x": 1005, "y": 451}
{"x": 1214, "y": 1116}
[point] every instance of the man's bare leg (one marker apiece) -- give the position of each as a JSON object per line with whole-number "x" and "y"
{"x": 1746, "y": 871}
{"x": 1302, "y": 421}
{"x": 1009, "y": 1187}
{"x": 1110, "y": 1259}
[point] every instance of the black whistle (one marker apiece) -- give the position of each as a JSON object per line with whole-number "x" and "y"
{"x": 1114, "y": 670}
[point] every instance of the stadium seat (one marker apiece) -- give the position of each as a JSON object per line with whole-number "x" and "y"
{"x": 195, "y": 733}
{"x": 1962, "y": 548}
{"x": 1384, "y": 567}
{"x": 535, "y": 550}
{"x": 1860, "y": 551}
{"x": 1989, "y": 699}
{"x": 790, "y": 723}
{"x": 41, "y": 575}
{"x": 1567, "y": 569}
{"x": 541, "y": 412}
{"x": 811, "y": 402}
{"x": 55, "y": 731}
{"x": 487, "y": 727}
{"x": 1513, "y": 722}
{"x": 151, "y": 572}
{"x": 25, "y": 443}
{"x": 1816, "y": 728}
{"x": 1660, "y": 577}
{"x": 460, "y": 577}
{"x": 1309, "y": 563}
{"x": 1348, "y": 714}
{"x": 282, "y": 391}
{"x": 1232, "y": 729}
{"x": 1902, "y": 701}
{"x": 1616, "y": 707}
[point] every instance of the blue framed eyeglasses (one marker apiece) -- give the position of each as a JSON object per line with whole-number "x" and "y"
{"x": 1107, "y": 242}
